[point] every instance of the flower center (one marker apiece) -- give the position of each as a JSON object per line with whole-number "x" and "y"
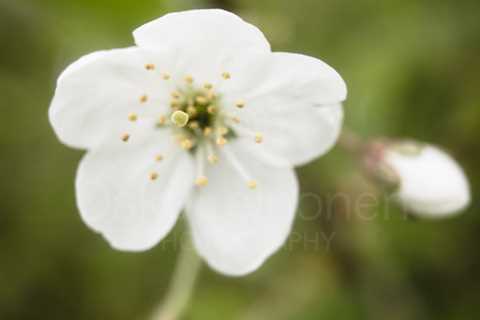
{"x": 198, "y": 119}
{"x": 197, "y": 113}
{"x": 201, "y": 126}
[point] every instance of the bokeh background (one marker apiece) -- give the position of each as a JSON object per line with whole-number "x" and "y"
{"x": 412, "y": 68}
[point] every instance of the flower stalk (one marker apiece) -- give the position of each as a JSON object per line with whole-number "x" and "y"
{"x": 182, "y": 284}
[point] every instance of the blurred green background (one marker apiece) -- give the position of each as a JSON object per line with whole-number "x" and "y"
{"x": 412, "y": 68}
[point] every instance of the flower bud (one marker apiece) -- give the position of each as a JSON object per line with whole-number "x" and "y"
{"x": 430, "y": 182}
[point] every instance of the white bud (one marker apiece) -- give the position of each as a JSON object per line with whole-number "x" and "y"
{"x": 431, "y": 183}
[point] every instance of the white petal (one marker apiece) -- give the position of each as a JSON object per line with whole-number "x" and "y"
{"x": 95, "y": 94}
{"x": 203, "y": 37}
{"x": 235, "y": 228}
{"x": 432, "y": 184}
{"x": 117, "y": 198}
{"x": 279, "y": 80}
{"x": 293, "y": 138}
{"x": 292, "y": 100}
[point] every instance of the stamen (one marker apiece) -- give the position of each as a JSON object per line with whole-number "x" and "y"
{"x": 186, "y": 144}
{"x": 211, "y": 95}
{"x": 175, "y": 94}
{"x": 191, "y": 110}
{"x": 150, "y": 66}
{"x": 229, "y": 116}
{"x": 212, "y": 157}
{"x": 201, "y": 100}
{"x": 239, "y": 168}
{"x": 161, "y": 120}
{"x": 158, "y": 157}
{"x": 189, "y": 79}
{"x": 221, "y": 141}
{"x": 207, "y": 131}
{"x": 125, "y": 137}
{"x": 179, "y": 137}
{"x": 165, "y": 76}
{"x": 240, "y": 103}
{"x": 153, "y": 176}
{"x": 222, "y": 131}
{"x": 193, "y": 125}
{"x": 201, "y": 180}
{"x": 208, "y": 86}
{"x": 132, "y": 117}
{"x": 211, "y": 109}
{"x": 180, "y": 118}
{"x": 258, "y": 137}
{"x": 143, "y": 98}
{"x": 226, "y": 75}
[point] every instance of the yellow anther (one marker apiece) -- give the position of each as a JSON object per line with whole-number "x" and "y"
{"x": 132, "y": 117}
{"x": 143, "y": 98}
{"x": 175, "y": 94}
{"x": 212, "y": 159}
{"x": 211, "y": 95}
{"x": 153, "y": 176}
{"x": 193, "y": 125}
{"x": 189, "y": 79}
{"x": 222, "y": 131}
{"x": 221, "y": 141}
{"x": 125, "y": 137}
{"x": 236, "y": 119}
{"x": 211, "y": 109}
{"x": 191, "y": 110}
{"x": 252, "y": 184}
{"x": 208, "y": 86}
{"x": 180, "y": 118}
{"x": 186, "y": 144}
{"x": 179, "y": 137}
{"x": 258, "y": 137}
{"x": 158, "y": 157}
{"x": 161, "y": 120}
{"x": 201, "y": 181}
{"x": 226, "y": 75}
{"x": 165, "y": 76}
{"x": 207, "y": 131}
{"x": 175, "y": 105}
{"x": 240, "y": 103}
{"x": 150, "y": 66}
{"x": 201, "y": 100}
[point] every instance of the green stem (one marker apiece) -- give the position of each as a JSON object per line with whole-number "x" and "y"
{"x": 181, "y": 287}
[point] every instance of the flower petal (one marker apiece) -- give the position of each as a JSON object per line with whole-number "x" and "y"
{"x": 235, "y": 228}
{"x": 293, "y": 137}
{"x": 117, "y": 197}
{"x": 95, "y": 94}
{"x": 432, "y": 184}
{"x": 292, "y": 100}
{"x": 278, "y": 80}
{"x": 202, "y": 35}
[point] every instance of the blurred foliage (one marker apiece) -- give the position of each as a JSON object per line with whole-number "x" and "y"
{"x": 412, "y": 68}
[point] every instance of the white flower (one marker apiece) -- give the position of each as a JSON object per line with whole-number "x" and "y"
{"x": 200, "y": 115}
{"x": 432, "y": 184}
